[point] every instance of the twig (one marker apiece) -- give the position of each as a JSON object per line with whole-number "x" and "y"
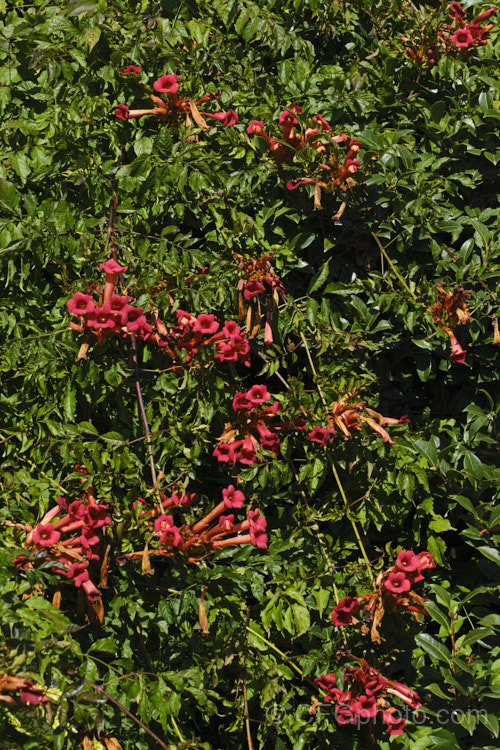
{"x": 334, "y": 469}
{"x": 147, "y": 431}
{"x": 400, "y": 278}
{"x": 100, "y": 690}
{"x": 245, "y": 697}
{"x": 277, "y": 373}
{"x": 330, "y": 565}
{"x": 275, "y": 648}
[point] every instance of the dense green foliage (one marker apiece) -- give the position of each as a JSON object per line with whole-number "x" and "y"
{"x": 224, "y": 653}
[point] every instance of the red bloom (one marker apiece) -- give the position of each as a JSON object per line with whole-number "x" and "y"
{"x": 80, "y": 304}
{"x": 397, "y": 583}
{"x": 233, "y": 498}
{"x": 367, "y": 706}
{"x": 79, "y": 573}
{"x": 462, "y": 38}
{"x": 346, "y": 714}
{"x": 130, "y": 314}
{"x": 256, "y": 127}
{"x": 206, "y": 324}
{"x": 257, "y": 529}
{"x": 457, "y": 354}
{"x": 258, "y": 394}
{"x": 247, "y": 453}
{"x": 226, "y": 118}
{"x": 240, "y": 401}
{"x": 169, "y": 532}
{"x": 326, "y": 681}
{"x": 395, "y": 723}
{"x": 166, "y": 84}
{"x": 225, "y": 452}
{"x": 253, "y": 289}
{"x": 407, "y": 561}
{"x": 485, "y": 15}
{"x": 345, "y": 610}
{"x": 294, "y": 184}
{"x": 287, "y": 120}
{"x": 321, "y": 120}
{"x": 457, "y": 11}
{"x": 45, "y": 535}
{"x": 100, "y": 318}
{"x": 112, "y": 268}
{"x": 132, "y": 70}
{"x": 122, "y": 112}
{"x": 320, "y": 435}
{"x": 351, "y": 165}
{"x": 32, "y": 695}
{"x": 117, "y": 303}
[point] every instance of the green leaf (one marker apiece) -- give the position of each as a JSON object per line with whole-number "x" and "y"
{"x": 20, "y": 163}
{"x": 443, "y": 596}
{"x": 490, "y": 721}
{"x": 490, "y": 621}
{"x": 8, "y": 194}
{"x": 466, "y": 719}
{"x": 92, "y": 36}
{"x": 491, "y": 553}
{"x": 77, "y": 7}
{"x": 301, "y": 619}
{"x": 428, "y": 449}
{"x": 320, "y": 278}
{"x": 69, "y": 402}
{"x": 438, "y": 111}
{"x": 438, "y": 615}
{"x": 436, "y": 650}
{"x": 473, "y": 466}
{"x": 494, "y": 519}
{"x": 473, "y": 636}
{"x": 440, "y": 524}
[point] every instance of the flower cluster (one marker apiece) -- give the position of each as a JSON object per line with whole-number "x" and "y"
{"x": 457, "y": 38}
{"x": 253, "y": 429}
{"x": 112, "y": 315}
{"x": 193, "y": 543}
{"x": 69, "y": 535}
{"x": 316, "y": 139}
{"x": 465, "y": 36}
{"x": 364, "y": 696}
{"x": 192, "y": 334}
{"x": 393, "y": 592}
{"x": 347, "y": 418}
{"x": 258, "y": 279}
{"x": 291, "y": 140}
{"x": 175, "y": 106}
{"x": 451, "y": 310}
{"x": 13, "y": 688}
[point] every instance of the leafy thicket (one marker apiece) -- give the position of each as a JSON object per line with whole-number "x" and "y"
{"x": 224, "y": 653}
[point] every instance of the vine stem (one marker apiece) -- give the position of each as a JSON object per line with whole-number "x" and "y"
{"x": 393, "y": 267}
{"x": 46, "y": 476}
{"x": 135, "y": 357}
{"x": 332, "y": 571}
{"x": 274, "y": 648}
{"x": 101, "y": 690}
{"x": 334, "y": 469}
{"x": 147, "y": 431}
{"x": 245, "y": 696}
{"x": 285, "y": 657}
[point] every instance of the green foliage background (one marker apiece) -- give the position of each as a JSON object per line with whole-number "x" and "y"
{"x": 427, "y": 194}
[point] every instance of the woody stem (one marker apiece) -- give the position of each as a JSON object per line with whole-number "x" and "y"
{"x": 147, "y": 431}
{"x": 334, "y": 469}
{"x": 393, "y": 267}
